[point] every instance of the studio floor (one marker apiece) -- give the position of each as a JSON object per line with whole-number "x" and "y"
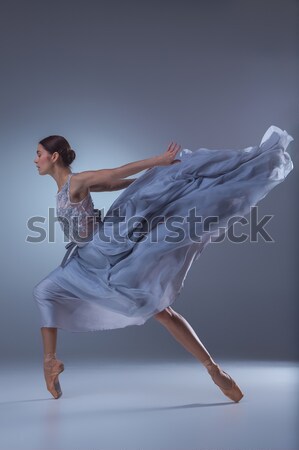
{"x": 148, "y": 405}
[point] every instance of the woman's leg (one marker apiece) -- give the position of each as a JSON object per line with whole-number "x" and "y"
{"x": 52, "y": 366}
{"x": 182, "y": 331}
{"x": 49, "y": 336}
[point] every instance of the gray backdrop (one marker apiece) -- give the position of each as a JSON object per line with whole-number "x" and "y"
{"x": 121, "y": 80}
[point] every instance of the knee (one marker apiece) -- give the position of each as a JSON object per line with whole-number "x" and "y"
{"x": 165, "y": 315}
{"x": 41, "y": 291}
{"x": 37, "y": 292}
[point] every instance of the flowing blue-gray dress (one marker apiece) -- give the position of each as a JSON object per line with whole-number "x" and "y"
{"x": 128, "y": 270}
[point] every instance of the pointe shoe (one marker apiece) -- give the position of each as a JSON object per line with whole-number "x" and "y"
{"x": 233, "y": 392}
{"x": 52, "y": 368}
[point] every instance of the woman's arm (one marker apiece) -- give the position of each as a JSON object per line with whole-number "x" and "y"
{"x": 115, "y": 185}
{"x": 105, "y": 179}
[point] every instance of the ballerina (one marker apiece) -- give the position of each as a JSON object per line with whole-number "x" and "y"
{"x": 107, "y": 282}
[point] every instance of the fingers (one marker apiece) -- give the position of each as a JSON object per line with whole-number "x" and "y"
{"x": 173, "y": 148}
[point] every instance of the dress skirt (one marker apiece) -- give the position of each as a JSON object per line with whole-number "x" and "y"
{"x": 136, "y": 263}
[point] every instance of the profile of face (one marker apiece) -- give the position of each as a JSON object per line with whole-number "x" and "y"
{"x": 44, "y": 160}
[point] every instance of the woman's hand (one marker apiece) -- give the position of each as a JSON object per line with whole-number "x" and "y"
{"x": 167, "y": 157}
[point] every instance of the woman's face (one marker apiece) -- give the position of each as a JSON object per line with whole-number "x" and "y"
{"x": 43, "y": 160}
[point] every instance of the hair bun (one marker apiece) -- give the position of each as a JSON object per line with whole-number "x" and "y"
{"x": 71, "y": 155}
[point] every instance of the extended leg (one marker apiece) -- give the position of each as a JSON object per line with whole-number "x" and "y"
{"x": 178, "y": 326}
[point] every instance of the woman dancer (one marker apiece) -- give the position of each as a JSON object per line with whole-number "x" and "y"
{"x": 108, "y": 279}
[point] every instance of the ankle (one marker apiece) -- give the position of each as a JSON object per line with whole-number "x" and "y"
{"x": 208, "y": 363}
{"x": 49, "y": 355}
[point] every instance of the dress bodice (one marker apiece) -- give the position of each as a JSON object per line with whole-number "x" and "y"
{"x": 79, "y": 220}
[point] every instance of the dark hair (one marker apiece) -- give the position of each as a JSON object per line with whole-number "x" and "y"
{"x": 55, "y": 143}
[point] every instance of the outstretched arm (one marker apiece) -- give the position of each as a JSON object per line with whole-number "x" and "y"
{"x": 114, "y": 186}
{"x": 107, "y": 179}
